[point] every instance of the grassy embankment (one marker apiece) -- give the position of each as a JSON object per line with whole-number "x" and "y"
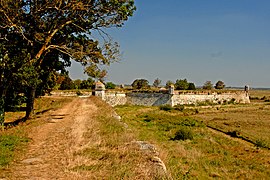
{"x": 113, "y": 152}
{"x": 13, "y": 140}
{"x": 206, "y": 153}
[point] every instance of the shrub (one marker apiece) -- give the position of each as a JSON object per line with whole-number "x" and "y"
{"x": 110, "y": 85}
{"x": 261, "y": 143}
{"x": 232, "y": 101}
{"x": 183, "y": 134}
{"x": 179, "y": 107}
{"x": 166, "y": 107}
{"x": 191, "y": 122}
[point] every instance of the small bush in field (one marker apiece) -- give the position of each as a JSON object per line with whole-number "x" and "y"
{"x": 183, "y": 134}
{"x": 179, "y": 107}
{"x": 166, "y": 108}
{"x": 261, "y": 143}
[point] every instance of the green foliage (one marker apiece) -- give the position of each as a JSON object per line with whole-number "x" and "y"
{"x": 191, "y": 86}
{"x": 156, "y": 82}
{"x": 77, "y": 83}
{"x": 183, "y": 134}
{"x": 169, "y": 83}
{"x": 179, "y": 107}
{"x": 87, "y": 84}
{"x": 208, "y": 85}
{"x": 67, "y": 84}
{"x": 181, "y": 84}
{"x": 261, "y": 143}
{"x": 166, "y": 107}
{"x": 110, "y": 85}
{"x": 42, "y": 39}
{"x": 140, "y": 84}
{"x": 220, "y": 85}
{"x": 8, "y": 144}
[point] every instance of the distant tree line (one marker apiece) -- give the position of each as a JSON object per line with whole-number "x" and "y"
{"x": 179, "y": 84}
{"x": 64, "y": 82}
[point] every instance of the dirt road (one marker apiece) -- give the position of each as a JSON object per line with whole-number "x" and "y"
{"x": 53, "y": 145}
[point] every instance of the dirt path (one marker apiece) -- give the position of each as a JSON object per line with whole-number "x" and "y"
{"x": 51, "y": 152}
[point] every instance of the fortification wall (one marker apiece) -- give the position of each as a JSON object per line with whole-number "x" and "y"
{"x": 214, "y": 98}
{"x": 156, "y": 99}
{"x": 149, "y": 99}
{"x": 115, "y": 99}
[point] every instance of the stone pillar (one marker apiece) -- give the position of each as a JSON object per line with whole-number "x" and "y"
{"x": 246, "y": 90}
{"x": 171, "y": 94}
{"x": 100, "y": 90}
{"x": 171, "y": 89}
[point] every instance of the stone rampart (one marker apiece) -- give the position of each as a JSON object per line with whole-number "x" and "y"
{"x": 213, "y": 98}
{"x": 115, "y": 98}
{"x": 156, "y": 99}
{"x": 148, "y": 99}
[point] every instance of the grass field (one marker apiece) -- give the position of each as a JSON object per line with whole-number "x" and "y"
{"x": 186, "y": 144}
{"x": 192, "y": 150}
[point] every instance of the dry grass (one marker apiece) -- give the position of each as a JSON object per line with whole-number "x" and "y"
{"x": 13, "y": 141}
{"x": 250, "y": 121}
{"x": 112, "y": 153}
{"x": 210, "y": 154}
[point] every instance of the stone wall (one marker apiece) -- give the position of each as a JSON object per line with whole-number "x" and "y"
{"x": 149, "y": 99}
{"x": 115, "y": 99}
{"x": 214, "y": 98}
{"x": 156, "y": 99}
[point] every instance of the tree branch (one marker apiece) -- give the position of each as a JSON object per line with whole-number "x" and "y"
{"x": 47, "y": 41}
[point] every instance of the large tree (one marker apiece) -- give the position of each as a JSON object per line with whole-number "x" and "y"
{"x": 220, "y": 85}
{"x": 62, "y": 29}
{"x": 208, "y": 85}
{"x": 140, "y": 84}
{"x": 181, "y": 84}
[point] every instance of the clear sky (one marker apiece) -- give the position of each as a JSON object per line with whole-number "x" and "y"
{"x": 199, "y": 40}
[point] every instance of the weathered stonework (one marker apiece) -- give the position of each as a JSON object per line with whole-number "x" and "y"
{"x": 156, "y": 99}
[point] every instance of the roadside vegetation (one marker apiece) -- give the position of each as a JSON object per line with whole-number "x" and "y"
{"x": 113, "y": 152}
{"x": 14, "y": 136}
{"x": 190, "y": 149}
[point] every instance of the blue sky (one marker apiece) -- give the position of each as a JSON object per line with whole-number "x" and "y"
{"x": 200, "y": 40}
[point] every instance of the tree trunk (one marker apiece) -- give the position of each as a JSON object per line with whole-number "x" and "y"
{"x": 2, "y": 110}
{"x": 30, "y": 102}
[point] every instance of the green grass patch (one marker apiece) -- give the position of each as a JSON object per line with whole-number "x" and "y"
{"x": 8, "y": 145}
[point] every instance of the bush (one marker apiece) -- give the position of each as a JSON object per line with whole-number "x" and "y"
{"x": 183, "y": 134}
{"x": 191, "y": 123}
{"x": 232, "y": 101}
{"x": 261, "y": 143}
{"x": 166, "y": 107}
{"x": 179, "y": 107}
{"x": 110, "y": 85}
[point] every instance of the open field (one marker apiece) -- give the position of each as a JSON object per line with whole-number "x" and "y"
{"x": 207, "y": 153}
{"x": 81, "y": 140}
{"x": 181, "y": 135}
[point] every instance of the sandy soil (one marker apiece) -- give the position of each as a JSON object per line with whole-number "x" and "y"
{"x": 51, "y": 151}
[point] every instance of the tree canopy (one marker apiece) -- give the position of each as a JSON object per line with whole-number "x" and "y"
{"x": 183, "y": 84}
{"x": 157, "y": 82}
{"x": 40, "y": 36}
{"x": 208, "y": 85}
{"x": 140, "y": 84}
{"x": 220, "y": 85}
